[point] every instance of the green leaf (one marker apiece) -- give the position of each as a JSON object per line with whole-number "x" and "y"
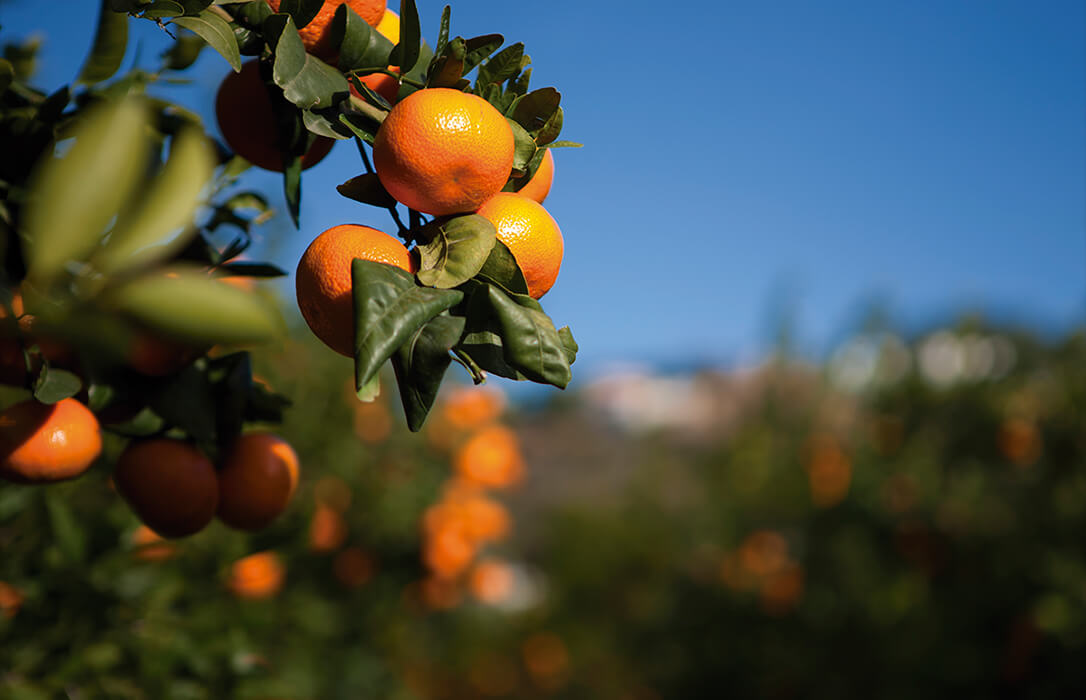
{"x": 443, "y": 32}
{"x": 406, "y": 53}
{"x": 231, "y": 377}
{"x": 367, "y": 189}
{"x": 420, "y": 365}
{"x": 359, "y": 127}
{"x": 447, "y": 70}
{"x": 252, "y": 269}
{"x": 324, "y": 123}
{"x": 216, "y": 32}
{"x": 160, "y": 9}
{"x": 524, "y": 147}
{"x": 550, "y": 131}
{"x": 110, "y": 43}
{"x": 292, "y": 187}
{"x": 54, "y": 385}
{"x": 478, "y": 48}
{"x": 184, "y": 51}
{"x": 187, "y": 401}
{"x": 570, "y": 345}
{"x": 306, "y": 81}
{"x": 301, "y": 11}
{"x": 371, "y": 390}
{"x": 388, "y": 308}
{"x": 75, "y": 196}
{"x": 453, "y": 250}
{"x": 195, "y": 7}
{"x": 530, "y": 342}
{"x": 360, "y": 45}
{"x": 160, "y": 224}
{"x": 535, "y": 109}
{"x": 66, "y": 531}
{"x": 501, "y": 269}
{"x": 188, "y": 304}
{"x": 7, "y": 75}
{"x": 502, "y": 66}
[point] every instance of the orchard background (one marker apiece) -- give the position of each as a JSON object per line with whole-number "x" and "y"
{"x": 885, "y": 501}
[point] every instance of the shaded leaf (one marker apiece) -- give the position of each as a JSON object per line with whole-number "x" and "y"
{"x": 301, "y": 11}
{"x": 388, "y": 308}
{"x": 478, "y": 48}
{"x": 452, "y": 251}
{"x": 252, "y": 269}
{"x": 530, "y": 342}
{"x": 7, "y": 74}
{"x": 186, "y": 401}
{"x": 501, "y": 67}
{"x": 524, "y": 148}
{"x": 406, "y": 53}
{"x": 161, "y": 9}
{"x": 420, "y": 365}
{"x": 360, "y": 45}
{"x": 66, "y": 530}
{"x": 217, "y": 33}
{"x": 306, "y": 81}
{"x": 367, "y": 189}
{"x": 535, "y": 109}
{"x": 107, "y": 51}
{"x": 550, "y": 130}
{"x": 54, "y": 385}
{"x": 501, "y": 269}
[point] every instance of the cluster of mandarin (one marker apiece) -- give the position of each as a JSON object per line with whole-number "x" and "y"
{"x": 486, "y": 457}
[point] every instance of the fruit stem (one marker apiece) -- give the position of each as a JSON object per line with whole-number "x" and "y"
{"x": 369, "y": 169}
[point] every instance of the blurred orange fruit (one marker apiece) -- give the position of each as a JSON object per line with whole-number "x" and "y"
{"x": 41, "y": 443}
{"x": 10, "y": 600}
{"x": 150, "y": 547}
{"x": 491, "y": 581}
{"x": 442, "y": 151}
{"x": 327, "y": 530}
{"x": 257, "y": 576}
{"x": 248, "y": 123}
{"x": 317, "y": 35}
{"x": 439, "y": 594}
{"x": 485, "y": 520}
{"x": 829, "y": 471}
{"x": 468, "y": 408}
{"x": 546, "y": 657}
{"x": 170, "y": 484}
{"x": 257, "y": 479}
{"x": 539, "y": 186}
{"x": 372, "y": 421}
{"x": 155, "y": 356}
{"x": 532, "y": 236}
{"x": 1019, "y": 441}
{"x": 353, "y": 567}
{"x": 763, "y": 553}
{"x": 782, "y": 590}
{"x": 323, "y": 282}
{"x": 491, "y": 458}
{"x": 448, "y": 553}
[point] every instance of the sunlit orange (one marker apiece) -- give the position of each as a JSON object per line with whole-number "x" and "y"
{"x": 257, "y": 576}
{"x": 491, "y": 457}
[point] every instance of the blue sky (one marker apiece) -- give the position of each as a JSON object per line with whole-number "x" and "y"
{"x": 746, "y": 156}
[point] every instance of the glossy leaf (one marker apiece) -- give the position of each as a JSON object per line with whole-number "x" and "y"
{"x": 216, "y": 32}
{"x": 530, "y": 342}
{"x": 443, "y": 32}
{"x": 188, "y": 304}
{"x": 501, "y": 67}
{"x": 550, "y": 130}
{"x": 54, "y": 385}
{"x": 453, "y": 250}
{"x": 388, "y": 308}
{"x": 367, "y": 189}
{"x": 420, "y": 365}
{"x": 360, "y": 45}
{"x": 306, "y": 81}
{"x": 478, "y": 48}
{"x": 406, "y": 53}
{"x": 76, "y": 196}
{"x": 524, "y": 146}
{"x": 110, "y": 44}
{"x": 501, "y": 269}
{"x": 160, "y": 224}
{"x": 535, "y": 109}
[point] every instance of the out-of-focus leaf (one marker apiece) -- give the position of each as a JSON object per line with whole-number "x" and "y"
{"x": 360, "y": 45}
{"x": 530, "y": 342}
{"x": 161, "y": 9}
{"x": 54, "y": 385}
{"x": 67, "y": 532}
{"x": 160, "y": 224}
{"x": 306, "y": 81}
{"x": 252, "y": 269}
{"x": 501, "y": 269}
{"x": 388, "y": 308}
{"x": 23, "y": 57}
{"x": 420, "y": 365}
{"x": 75, "y": 196}
{"x": 217, "y": 33}
{"x": 406, "y": 53}
{"x": 184, "y": 51}
{"x": 110, "y": 43}
{"x": 452, "y": 251}
{"x": 7, "y": 74}
{"x": 367, "y": 189}
{"x": 188, "y": 304}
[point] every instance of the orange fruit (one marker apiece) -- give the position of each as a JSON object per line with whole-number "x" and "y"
{"x": 257, "y": 479}
{"x": 323, "y": 282}
{"x": 169, "y": 484}
{"x": 10, "y": 600}
{"x": 491, "y": 581}
{"x": 448, "y": 553}
{"x": 317, "y": 35}
{"x": 156, "y": 356}
{"x": 257, "y": 576}
{"x": 353, "y": 567}
{"x": 442, "y": 151}
{"x": 150, "y": 547}
{"x": 385, "y": 85}
{"x": 491, "y": 458}
{"x": 539, "y": 186}
{"x": 42, "y": 443}
{"x": 469, "y": 408}
{"x": 247, "y": 121}
{"x": 532, "y": 236}
{"x": 327, "y": 530}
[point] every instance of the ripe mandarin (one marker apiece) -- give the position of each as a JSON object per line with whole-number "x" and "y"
{"x": 441, "y": 151}
{"x": 317, "y": 35}
{"x": 169, "y": 484}
{"x": 540, "y": 185}
{"x": 256, "y": 481}
{"x": 532, "y": 236}
{"x": 41, "y": 443}
{"x": 323, "y": 282}
{"x": 247, "y": 121}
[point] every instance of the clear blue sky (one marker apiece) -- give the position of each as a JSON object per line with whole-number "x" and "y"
{"x": 931, "y": 155}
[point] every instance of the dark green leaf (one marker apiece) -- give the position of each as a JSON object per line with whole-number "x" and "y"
{"x": 524, "y": 146}
{"x": 292, "y": 188}
{"x": 420, "y": 365}
{"x": 406, "y": 53}
{"x": 502, "y": 66}
{"x": 252, "y": 269}
{"x": 110, "y": 43}
{"x": 7, "y": 74}
{"x": 535, "y": 109}
{"x": 187, "y": 401}
{"x": 306, "y": 81}
{"x": 443, "y": 33}
{"x": 195, "y": 7}
{"x": 189, "y": 305}
{"x": 447, "y": 70}
{"x": 359, "y": 127}
{"x": 231, "y": 392}
{"x": 530, "y": 342}
{"x": 161, "y": 9}
{"x": 565, "y": 144}
{"x": 501, "y": 269}
{"x": 367, "y": 189}
{"x": 520, "y": 85}
{"x": 418, "y": 73}
{"x": 66, "y": 531}
{"x": 325, "y": 123}
{"x": 452, "y": 251}
{"x": 69, "y": 211}
{"x": 302, "y": 11}
{"x": 551, "y": 129}
{"x": 388, "y": 308}
{"x": 566, "y": 335}
{"x": 216, "y": 32}
{"x": 54, "y": 385}
{"x": 360, "y": 45}
{"x": 184, "y": 52}
{"x": 478, "y": 48}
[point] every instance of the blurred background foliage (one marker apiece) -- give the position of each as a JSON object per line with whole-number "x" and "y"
{"x": 906, "y": 519}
